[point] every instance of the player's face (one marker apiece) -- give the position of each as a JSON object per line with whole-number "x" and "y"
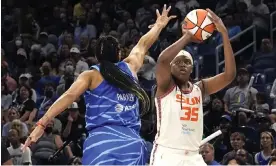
{"x": 181, "y": 68}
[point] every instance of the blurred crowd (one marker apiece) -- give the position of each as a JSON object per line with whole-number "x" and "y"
{"x": 45, "y": 45}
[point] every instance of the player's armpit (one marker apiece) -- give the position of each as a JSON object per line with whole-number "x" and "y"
{"x": 77, "y": 88}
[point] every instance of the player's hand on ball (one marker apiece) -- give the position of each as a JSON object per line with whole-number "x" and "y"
{"x": 217, "y": 21}
{"x": 188, "y": 34}
{"x": 163, "y": 19}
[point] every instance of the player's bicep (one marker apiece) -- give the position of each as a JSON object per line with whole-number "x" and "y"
{"x": 216, "y": 83}
{"x": 136, "y": 58}
{"x": 82, "y": 83}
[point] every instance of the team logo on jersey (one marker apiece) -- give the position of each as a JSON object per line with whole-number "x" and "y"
{"x": 119, "y": 108}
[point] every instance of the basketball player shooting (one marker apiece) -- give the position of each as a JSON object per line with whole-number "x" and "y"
{"x": 179, "y": 102}
{"x": 111, "y": 93}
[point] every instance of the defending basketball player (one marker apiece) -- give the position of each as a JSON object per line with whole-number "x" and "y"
{"x": 179, "y": 102}
{"x": 111, "y": 94}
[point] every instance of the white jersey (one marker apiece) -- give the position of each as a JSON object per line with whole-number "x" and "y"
{"x": 180, "y": 119}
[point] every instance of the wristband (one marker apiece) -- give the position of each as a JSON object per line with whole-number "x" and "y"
{"x": 40, "y": 124}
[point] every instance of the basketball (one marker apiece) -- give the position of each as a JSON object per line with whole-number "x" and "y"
{"x": 199, "y": 24}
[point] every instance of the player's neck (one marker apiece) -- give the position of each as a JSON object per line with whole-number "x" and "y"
{"x": 185, "y": 86}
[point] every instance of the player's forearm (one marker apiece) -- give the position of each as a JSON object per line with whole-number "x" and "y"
{"x": 59, "y": 106}
{"x": 230, "y": 64}
{"x": 150, "y": 37}
{"x": 169, "y": 53}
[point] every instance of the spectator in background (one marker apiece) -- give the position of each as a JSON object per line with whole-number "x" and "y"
{"x": 67, "y": 78}
{"x": 81, "y": 66}
{"x": 267, "y": 144}
{"x": 222, "y": 143}
{"x": 237, "y": 141}
{"x": 47, "y": 146}
{"x": 126, "y": 35}
{"x": 261, "y": 105}
{"x": 74, "y": 127}
{"x": 18, "y": 156}
{"x": 123, "y": 26}
{"x": 234, "y": 161}
{"x": 47, "y": 76}
{"x": 265, "y": 58}
{"x": 147, "y": 71}
{"x": 46, "y": 100}
{"x": 186, "y": 6}
{"x": 273, "y": 121}
{"x": 213, "y": 115}
{"x": 84, "y": 44}
{"x": 260, "y": 13}
{"x": 5, "y": 155}
{"x": 143, "y": 12}
{"x": 24, "y": 79}
{"x": 223, "y": 5}
{"x": 13, "y": 114}
{"x": 207, "y": 151}
{"x": 272, "y": 161}
{"x": 233, "y": 29}
{"x": 243, "y": 18}
{"x": 79, "y": 9}
{"x": 6, "y": 101}
{"x": 242, "y": 154}
{"x": 24, "y": 103}
{"x": 66, "y": 38}
{"x": 84, "y": 29}
{"x": 63, "y": 57}
{"x": 10, "y": 82}
{"x": 239, "y": 96}
{"x": 46, "y": 47}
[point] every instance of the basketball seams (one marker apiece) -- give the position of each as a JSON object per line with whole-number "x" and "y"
{"x": 198, "y": 18}
{"x": 206, "y": 28}
{"x": 199, "y": 24}
{"x": 191, "y": 23}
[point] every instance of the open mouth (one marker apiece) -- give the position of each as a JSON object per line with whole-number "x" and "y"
{"x": 183, "y": 70}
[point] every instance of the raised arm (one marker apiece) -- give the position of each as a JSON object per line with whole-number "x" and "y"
{"x": 136, "y": 56}
{"x": 220, "y": 81}
{"x": 82, "y": 83}
{"x": 163, "y": 69}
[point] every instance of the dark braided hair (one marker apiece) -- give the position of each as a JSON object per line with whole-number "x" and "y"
{"x": 107, "y": 53}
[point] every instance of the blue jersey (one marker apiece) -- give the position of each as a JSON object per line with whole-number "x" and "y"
{"x": 113, "y": 124}
{"x": 260, "y": 159}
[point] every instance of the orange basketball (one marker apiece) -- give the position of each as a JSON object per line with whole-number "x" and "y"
{"x": 199, "y": 24}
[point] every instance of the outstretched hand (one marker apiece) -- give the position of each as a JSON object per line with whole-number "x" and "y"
{"x": 217, "y": 21}
{"x": 163, "y": 19}
{"x": 34, "y": 136}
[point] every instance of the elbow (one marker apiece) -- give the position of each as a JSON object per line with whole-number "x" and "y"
{"x": 230, "y": 75}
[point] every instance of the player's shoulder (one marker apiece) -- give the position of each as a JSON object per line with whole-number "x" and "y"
{"x": 89, "y": 74}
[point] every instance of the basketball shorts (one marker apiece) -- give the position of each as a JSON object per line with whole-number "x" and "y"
{"x": 162, "y": 156}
